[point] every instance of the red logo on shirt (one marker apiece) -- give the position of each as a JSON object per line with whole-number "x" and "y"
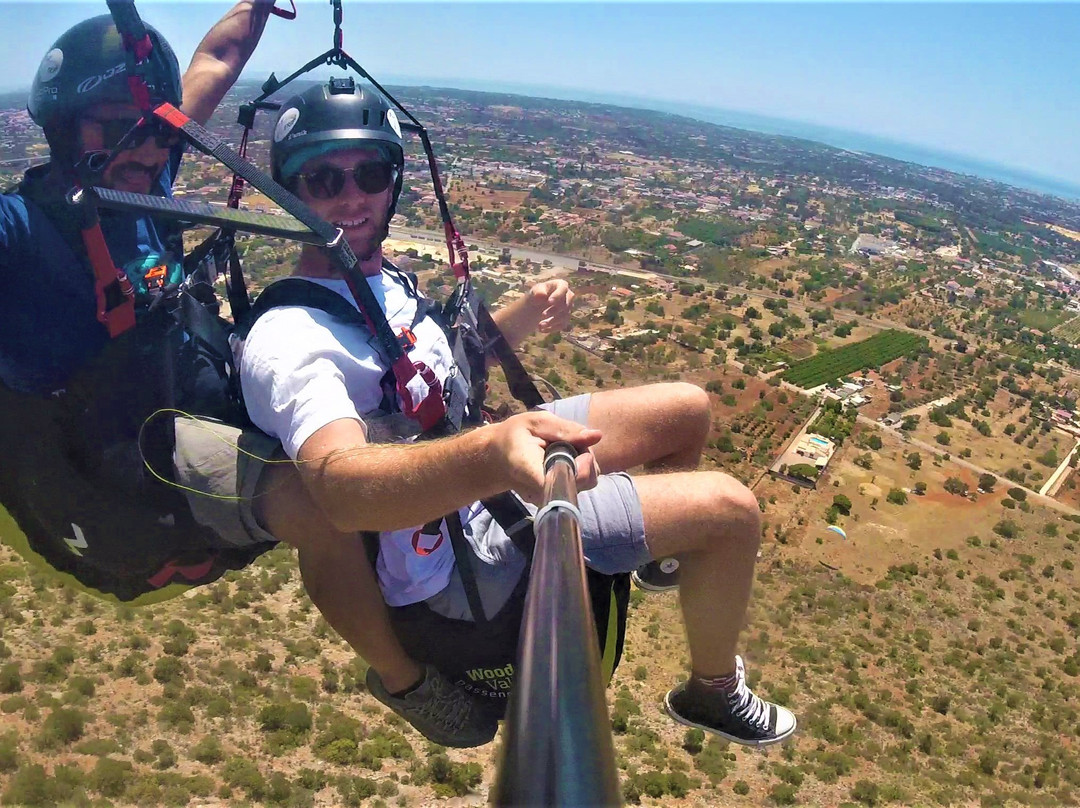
{"x": 422, "y": 543}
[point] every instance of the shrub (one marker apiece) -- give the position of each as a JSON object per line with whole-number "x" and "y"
{"x": 741, "y": 787}
{"x": 842, "y": 504}
{"x": 208, "y": 750}
{"x": 693, "y": 740}
{"x": 450, "y": 779}
{"x": 62, "y": 727}
{"x": 242, "y": 773}
{"x": 1019, "y": 494}
{"x": 1007, "y": 529}
{"x": 168, "y": 669}
{"x": 9, "y": 751}
{"x": 866, "y": 792}
{"x": 11, "y": 678}
{"x": 110, "y": 777}
{"x": 29, "y": 786}
{"x": 897, "y": 496}
{"x": 784, "y": 794}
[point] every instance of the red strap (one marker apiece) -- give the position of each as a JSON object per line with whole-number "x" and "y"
{"x": 171, "y": 115}
{"x": 283, "y": 13}
{"x": 459, "y": 256}
{"x": 429, "y": 412}
{"x": 191, "y": 572}
{"x": 117, "y": 315}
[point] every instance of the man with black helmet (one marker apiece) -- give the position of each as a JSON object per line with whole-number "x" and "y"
{"x": 314, "y": 376}
{"x": 86, "y": 507}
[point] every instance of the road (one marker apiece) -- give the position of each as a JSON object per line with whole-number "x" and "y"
{"x": 570, "y": 262}
{"x": 1058, "y": 477}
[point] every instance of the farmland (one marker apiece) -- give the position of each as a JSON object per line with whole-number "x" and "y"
{"x": 874, "y": 352}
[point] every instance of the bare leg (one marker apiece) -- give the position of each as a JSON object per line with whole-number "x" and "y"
{"x": 710, "y": 522}
{"x": 660, "y": 426}
{"x": 336, "y": 574}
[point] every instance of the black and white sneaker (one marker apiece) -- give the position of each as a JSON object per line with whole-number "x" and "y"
{"x": 438, "y": 710}
{"x": 657, "y": 576}
{"x": 741, "y": 716}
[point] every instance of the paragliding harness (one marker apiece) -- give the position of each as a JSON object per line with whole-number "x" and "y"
{"x": 476, "y": 654}
{"x": 76, "y": 475}
{"x": 479, "y": 654}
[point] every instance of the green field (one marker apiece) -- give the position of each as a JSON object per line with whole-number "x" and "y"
{"x": 1069, "y": 331}
{"x": 1042, "y": 319}
{"x": 828, "y": 366}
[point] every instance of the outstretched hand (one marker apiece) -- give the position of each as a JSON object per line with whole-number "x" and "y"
{"x": 522, "y": 439}
{"x": 555, "y": 301}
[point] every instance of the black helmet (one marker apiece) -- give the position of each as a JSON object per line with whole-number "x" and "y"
{"x": 87, "y": 66}
{"x": 339, "y": 110}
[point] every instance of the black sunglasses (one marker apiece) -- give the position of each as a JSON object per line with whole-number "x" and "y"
{"x": 113, "y": 130}
{"x": 327, "y": 181}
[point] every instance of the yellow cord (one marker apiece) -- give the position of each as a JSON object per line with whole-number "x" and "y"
{"x": 202, "y": 424}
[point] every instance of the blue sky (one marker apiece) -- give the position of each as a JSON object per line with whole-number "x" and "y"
{"x": 996, "y": 82}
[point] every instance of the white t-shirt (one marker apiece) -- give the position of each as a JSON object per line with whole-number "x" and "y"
{"x": 301, "y": 369}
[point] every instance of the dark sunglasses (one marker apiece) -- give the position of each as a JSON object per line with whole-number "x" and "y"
{"x": 327, "y": 181}
{"x": 113, "y": 130}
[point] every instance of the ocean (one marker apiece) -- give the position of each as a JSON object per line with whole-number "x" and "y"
{"x": 831, "y": 136}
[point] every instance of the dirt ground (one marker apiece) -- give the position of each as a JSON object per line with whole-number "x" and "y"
{"x": 881, "y": 534}
{"x": 469, "y": 193}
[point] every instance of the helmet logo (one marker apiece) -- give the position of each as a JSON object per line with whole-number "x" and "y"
{"x": 50, "y": 65}
{"x": 90, "y": 82}
{"x": 391, "y": 118}
{"x": 286, "y": 123}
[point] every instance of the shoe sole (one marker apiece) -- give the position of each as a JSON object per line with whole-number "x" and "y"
{"x": 380, "y": 695}
{"x": 640, "y": 584}
{"x": 733, "y": 738}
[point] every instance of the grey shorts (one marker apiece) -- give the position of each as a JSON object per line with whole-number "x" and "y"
{"x": 219, "y": 467}
{"x": 612, "y": 535}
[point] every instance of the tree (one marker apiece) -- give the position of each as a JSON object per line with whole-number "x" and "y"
{"x": 897, "y": 496}
{"x": 986, "y": 482}
{"x": 914, "y": 461}
{"x": 909, "y": 423}
{"x": 954, "y": 485}
{"x": 1006, "y": 528}
{"x": 943, "y": 438}
{"x": 874, "y": 442}
{"x": 920, "y": 488}
{"x": 1019, "y": 494}
{"x": 842, "y": 504}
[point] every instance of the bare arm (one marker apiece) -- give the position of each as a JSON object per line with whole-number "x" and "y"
{"x": 545, "y": 307}
{"x": 364, "y": 486}
{"x": 221, "y": 56}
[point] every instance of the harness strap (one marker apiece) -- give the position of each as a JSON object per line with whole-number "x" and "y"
{"x": 465, "y": 567}
{"x": 112, "y": 288}
{"x": 517, "y": 377}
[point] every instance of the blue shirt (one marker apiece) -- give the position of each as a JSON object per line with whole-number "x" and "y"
{"x": 48, "y": 310}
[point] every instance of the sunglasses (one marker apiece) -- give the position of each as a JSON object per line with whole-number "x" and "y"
{"x": 327, "y": 181}
{"x": 113, "y": 130}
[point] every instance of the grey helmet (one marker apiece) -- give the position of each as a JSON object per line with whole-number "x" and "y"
{"x": 86, "y": 67}
{"x": 340, "y": 109}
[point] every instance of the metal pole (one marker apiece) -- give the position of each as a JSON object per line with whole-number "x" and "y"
{"x": 558, "y": 749}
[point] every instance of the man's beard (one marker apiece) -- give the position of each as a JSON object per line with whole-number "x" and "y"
{"x": 366, "y": 249}
{"x": 130, "y": 170}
